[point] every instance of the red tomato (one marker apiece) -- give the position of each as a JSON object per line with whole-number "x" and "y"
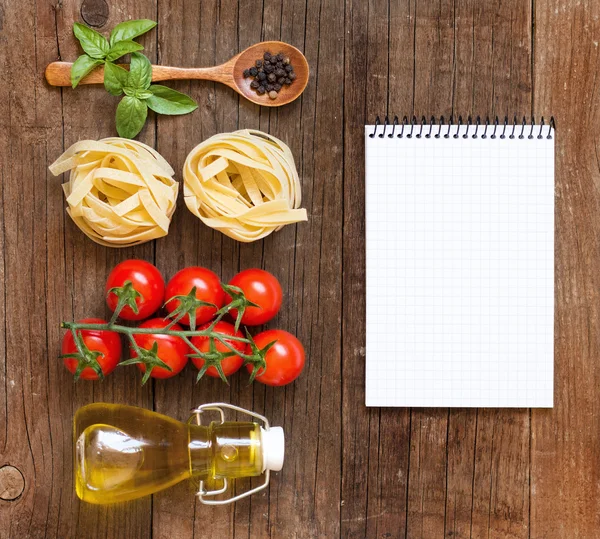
{"x": 107, "y": 343}
{"x": 260, "y": 287}
{"x": 208, "y": 288}
{"x": 285, "y": 359}
{"x": 146, "y": 280}
{"x": 229, "y": 364}
{"x": 171, "y": 349}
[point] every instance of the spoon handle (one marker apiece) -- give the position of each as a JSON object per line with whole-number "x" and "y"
{"x": 59, "y": 74}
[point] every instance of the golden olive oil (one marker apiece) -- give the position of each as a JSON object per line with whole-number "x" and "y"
{"x": 125, "y": 452}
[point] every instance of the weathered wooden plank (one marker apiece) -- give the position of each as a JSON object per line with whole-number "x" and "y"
{"x": 188, "y": 37}
{"x": 30, "y": 135}
{"x": 565, "y": 444}
{"x": 492, "y": 77}
{"x": 89, "y": 113}
{"x": 256, "y": 517}
{"x": 433, "y": 84}
{"x": 375, "y": 442}
{"x": 54, "y": 273}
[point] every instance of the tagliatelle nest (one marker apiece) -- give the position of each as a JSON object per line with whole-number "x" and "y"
{"x": 120, "y": 192}
{"x": 244, "y": 184}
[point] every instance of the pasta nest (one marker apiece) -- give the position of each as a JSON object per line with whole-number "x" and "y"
{"x": 244, "y": 184}
{"x": 120, "y": 192}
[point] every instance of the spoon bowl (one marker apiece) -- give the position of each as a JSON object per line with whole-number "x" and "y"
{"x": 247, "y": 59}
{"x": 230, "y": 73}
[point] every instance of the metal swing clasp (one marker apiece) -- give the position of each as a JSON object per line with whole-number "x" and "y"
{"x": 205, "y": 495}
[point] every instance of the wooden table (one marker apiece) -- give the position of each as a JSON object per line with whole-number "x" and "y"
{"x": 350, "y": 471}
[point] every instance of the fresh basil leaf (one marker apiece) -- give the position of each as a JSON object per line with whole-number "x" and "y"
{"x": 81, "y": 67}
{"x": 168, "y": 101}
{"x": 115, "y": 78}
{"x": 131, "y": 116}
{"x": 140, "y": 72}
{"x": 129, "y": 91}
{"x": 122, "y": 48}
{"x": 143, "y": 94}
{"x": 93, "y": 43}
{"x": 130, "y": 30}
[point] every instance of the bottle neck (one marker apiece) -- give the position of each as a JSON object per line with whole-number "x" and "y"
{"x": 230, "y": 449}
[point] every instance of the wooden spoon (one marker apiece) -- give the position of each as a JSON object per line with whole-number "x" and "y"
{"x": 229, "y": 73}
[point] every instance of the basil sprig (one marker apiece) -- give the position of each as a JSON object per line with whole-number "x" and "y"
{"x": 99, "y": 50}
{"x": 140, "y": 95}
{"x": 136, "y": 84}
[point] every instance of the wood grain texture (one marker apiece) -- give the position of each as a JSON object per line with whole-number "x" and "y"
{"x": 350, "y": 471}
{"x": 565, "y": 447}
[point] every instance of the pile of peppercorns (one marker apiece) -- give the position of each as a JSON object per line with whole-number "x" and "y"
{"x": 270, "y": 74}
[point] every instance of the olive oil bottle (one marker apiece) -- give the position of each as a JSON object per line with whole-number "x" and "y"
{"x": 125, "y": 452}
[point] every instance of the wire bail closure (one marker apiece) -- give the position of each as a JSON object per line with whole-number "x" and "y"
{"x": 205, "y": 495}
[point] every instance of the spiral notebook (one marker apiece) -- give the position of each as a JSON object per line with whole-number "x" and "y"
{"x": 460, "y": 263}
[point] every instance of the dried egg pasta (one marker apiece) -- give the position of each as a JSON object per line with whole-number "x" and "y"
{"x": 120, "y": 192}
{"x": 244, "y": 184}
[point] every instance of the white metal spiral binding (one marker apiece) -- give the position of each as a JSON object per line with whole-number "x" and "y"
{"x": 478, "y": 128}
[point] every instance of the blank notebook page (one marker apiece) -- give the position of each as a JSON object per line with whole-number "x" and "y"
{"x": 460, "y": 270}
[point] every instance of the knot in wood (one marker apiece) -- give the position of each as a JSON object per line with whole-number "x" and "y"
{"x": 94, "y": 12}
{"x": 12, "y": 483}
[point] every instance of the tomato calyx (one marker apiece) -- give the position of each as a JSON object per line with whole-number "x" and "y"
{"x": 127, "y": 296}
{"x": 212, "y": 358}
{"x": 187, "y": 305}
{"x": 239, "y": 302}
{"x": 257, "y": 357}
{"x": 149, "y": 358}
{"x": 84, "y": 357}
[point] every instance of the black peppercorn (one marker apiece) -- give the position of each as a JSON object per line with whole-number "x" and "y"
{"x": 270, "y": 73}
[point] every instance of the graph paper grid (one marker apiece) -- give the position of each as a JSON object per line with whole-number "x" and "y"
{"x": 459, "y": 271}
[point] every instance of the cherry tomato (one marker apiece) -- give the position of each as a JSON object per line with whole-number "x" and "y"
{"x": 260, "y": 287}
{"x": 229, "y": 364}
{"x": 208, "y": 289}
{"x": 146, "y": 280}
{"x": 171, "y": 349}
{"x": 107, "y": 343}
{"x": 285, "y": 359}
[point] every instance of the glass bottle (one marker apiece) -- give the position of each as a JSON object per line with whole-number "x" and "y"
{"x": 125, "y": 452}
